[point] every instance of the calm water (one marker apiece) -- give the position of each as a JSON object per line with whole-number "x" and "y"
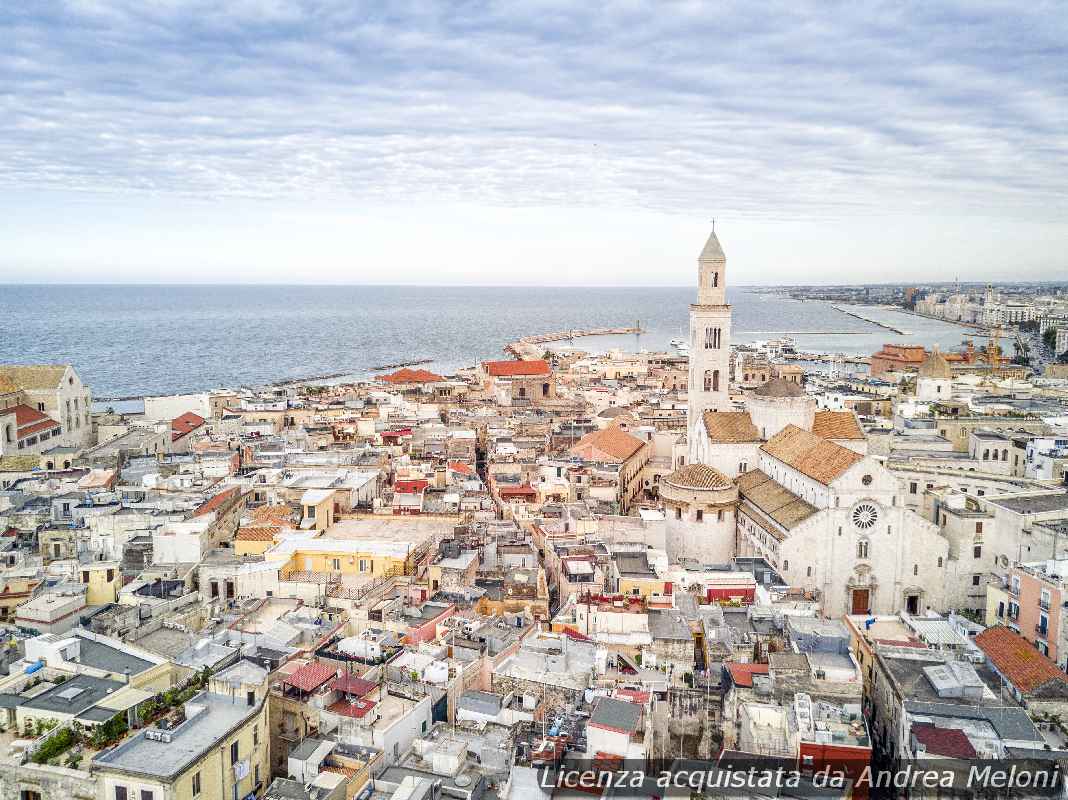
{"x": 132, "y": 340}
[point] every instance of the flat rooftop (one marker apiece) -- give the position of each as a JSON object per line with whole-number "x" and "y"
{"x": 1035, "y": 504}
{"x": 103, "y": 656}
{"x": 140, "y": 755}
{"x": 408, "y": 530}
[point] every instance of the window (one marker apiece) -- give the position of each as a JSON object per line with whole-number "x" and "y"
{"x": 146, "y": 794}
{"x": 743, "y": 467}
{"x": 978, "y": 527}
{"x": 250, "y": 698}
{"x": 111, "y": 575}
{"x": 786, "y": 565}
{"x": 719, "y": 515}
{"x": 913, "y": 487}
{"x": 363, "y": 565}
{"x": 977, "y": 551}
{"x": 700, "y": 515}
{"x": 862, "y": 548}
{"x": 940, "y": 562}
{"x": 808, "y": 572}
{"x": 915, "y": 569}
{"x": 976, "y": 579}
{"x": 335, "y": 564}
{"x": 234, "y": 758}
{"x": 865, "y": 516}
{"x": 120, "y": 793}
{"x": 256, "y": 776}
{"x": 678, "y": 513}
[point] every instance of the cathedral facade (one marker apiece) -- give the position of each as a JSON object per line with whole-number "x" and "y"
{"x": 768, "y": 475}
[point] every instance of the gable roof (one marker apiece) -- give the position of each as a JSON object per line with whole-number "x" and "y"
{"x": 34, "y": 376}
{"x": 935, "y": 366}
{"x": 29, "y": 420}
{"x": 257, "y": 534}
{"x": 775, "y": 501}
{"x": 730, "y": 427}
{"x": 610, "y": 444}
{"x": 185, "y": 424}
{"x": 837, "y": 425}
{"x": 948, "y": 742}
{"x": 742, "y": 674}
{"x": 1016, "y": 659}
{"x": 310, "y": 676}
{"x": 406, "y": 375}
{"x": 511, "y": 369}
{"x": 216, "y": 501}
{"x": 817, "y": 458}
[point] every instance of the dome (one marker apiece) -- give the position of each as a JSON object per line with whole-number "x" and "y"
{"x": 698, "y": 476}
{"x": 777, "y": 387}
{"x": 936, "y": 366}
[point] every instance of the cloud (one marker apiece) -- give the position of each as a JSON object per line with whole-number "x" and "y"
{"x": 781, "y": 112}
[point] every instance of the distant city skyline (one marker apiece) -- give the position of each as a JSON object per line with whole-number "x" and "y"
{"x": 523, "y": 144}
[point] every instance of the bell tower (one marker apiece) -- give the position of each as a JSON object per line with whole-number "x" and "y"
{"x": 710, "y": 341}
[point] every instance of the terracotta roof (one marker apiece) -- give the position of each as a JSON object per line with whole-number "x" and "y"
{"x": 518, "y": 491}
{"x": 777, "y": 387}
{"x": 810, "y": 455}
{"x": 1017, "y": 659}
{"x": 185, "y": 424}
{"x": 461, "y": 467}
{"x": 948, "y": 742}
{"x": 730, "y": 427}
{"x": 837, "y": 425}
{"x": 29, "y": 420}
{"x": 509, "y": 369}
{"x": 34, "y": 376}
{"x": 698, "y": 476}
{"x": 277, "y": 514}
{"x": 311, "y": 676}
{"x": 775, "y": 501}
{"x": 611, "y": 444}
{"x": 742, "y": 674}
{"x": 935, "y": 366}
{"x": 217, "y": 501}
{"x": 357, "y": 709}
{"x": 406, "y": 375}
{"x": 257, "y": 534}
{"x": 353, "y": 684}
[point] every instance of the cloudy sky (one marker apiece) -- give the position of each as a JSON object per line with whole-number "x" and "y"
{"x": 531, "y": 143}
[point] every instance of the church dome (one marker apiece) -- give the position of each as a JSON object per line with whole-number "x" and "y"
{"x": 777, "y": 387}
{"x": 936, "y": 366}
{"x": 698, "y": 476}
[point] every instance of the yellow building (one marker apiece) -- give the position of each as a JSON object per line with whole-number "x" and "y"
{"x": 317, "y": 506}
{"x": 255, "y": 540}
{"x": 102, "y": 580}
{"x": 216, "y": 748}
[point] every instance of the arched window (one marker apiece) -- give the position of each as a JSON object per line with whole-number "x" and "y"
{"x": 786, "y": 565}
{"x": 808, "y": 572}
{"x": 1005, "y": 454}
{"x": 940, "y": 562}
{"x": 862, "y": 548}
{"x": 715, "y": 380}
{"x": 715, "y": 279}
{"x": 9, "y": 433}
{"x": 995, "y": 455}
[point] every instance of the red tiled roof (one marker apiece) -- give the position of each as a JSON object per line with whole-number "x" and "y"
{"x": 404, "y": 486}
{"x": 1015, "y": 658}
{"x": 836, "y": 425}
{"x": 356, "y": 709}
{"x": 948, "y": 742}
{"x": 611, "y": 444}
{"x": 461, "y": 467}
{"x": 411, "y": 376}
{"x": 511, "y": 369}
{"x": 311, "y": 676}
{"x": 217, "y": 501}
{"x": 185, "y": 424}
{"x": 820, "y": 459}
{"x": 29, "y": 420}
{"x": 257, "y": 534}
{"x": 742, "y": 674}
{"x": 353, "y": 684}
{"x": 526, "y": 490}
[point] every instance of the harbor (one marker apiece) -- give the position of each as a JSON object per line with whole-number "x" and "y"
{"x": 527, "y": 346}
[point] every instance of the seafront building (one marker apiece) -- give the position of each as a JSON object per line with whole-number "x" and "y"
{"x": 423, "y": 583}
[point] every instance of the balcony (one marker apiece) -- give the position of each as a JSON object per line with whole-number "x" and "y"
{"x": 1013, "y": 614}
{"x": 1044, "y": 605}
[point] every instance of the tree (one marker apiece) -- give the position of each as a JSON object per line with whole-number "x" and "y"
{"x": 1050, "y": 338}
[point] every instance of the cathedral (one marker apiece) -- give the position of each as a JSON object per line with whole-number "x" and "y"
{"x": 769, "y": 475}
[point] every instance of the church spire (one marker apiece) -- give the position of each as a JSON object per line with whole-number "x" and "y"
{"x": 712, "y": 250}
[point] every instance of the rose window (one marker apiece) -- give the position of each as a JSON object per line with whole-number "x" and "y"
{"x": 865, "y": 516}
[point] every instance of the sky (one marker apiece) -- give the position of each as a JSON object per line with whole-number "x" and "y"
{"x": 531, "y": 143}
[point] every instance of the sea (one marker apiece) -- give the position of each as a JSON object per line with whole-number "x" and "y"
{"x": 160, "y": 339}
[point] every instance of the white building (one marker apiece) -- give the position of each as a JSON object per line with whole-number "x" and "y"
{"x": 710, "y": 339}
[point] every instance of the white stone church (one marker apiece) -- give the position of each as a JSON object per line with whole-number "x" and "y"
{"x": 770, "y": 476}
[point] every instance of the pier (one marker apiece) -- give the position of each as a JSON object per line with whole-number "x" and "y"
{"x": 872, "y": 321}
{"x": 527, "y": 347}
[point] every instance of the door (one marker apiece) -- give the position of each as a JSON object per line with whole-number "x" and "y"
{"x": 912, "y": 604}
{"x": 860, "y": 601}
